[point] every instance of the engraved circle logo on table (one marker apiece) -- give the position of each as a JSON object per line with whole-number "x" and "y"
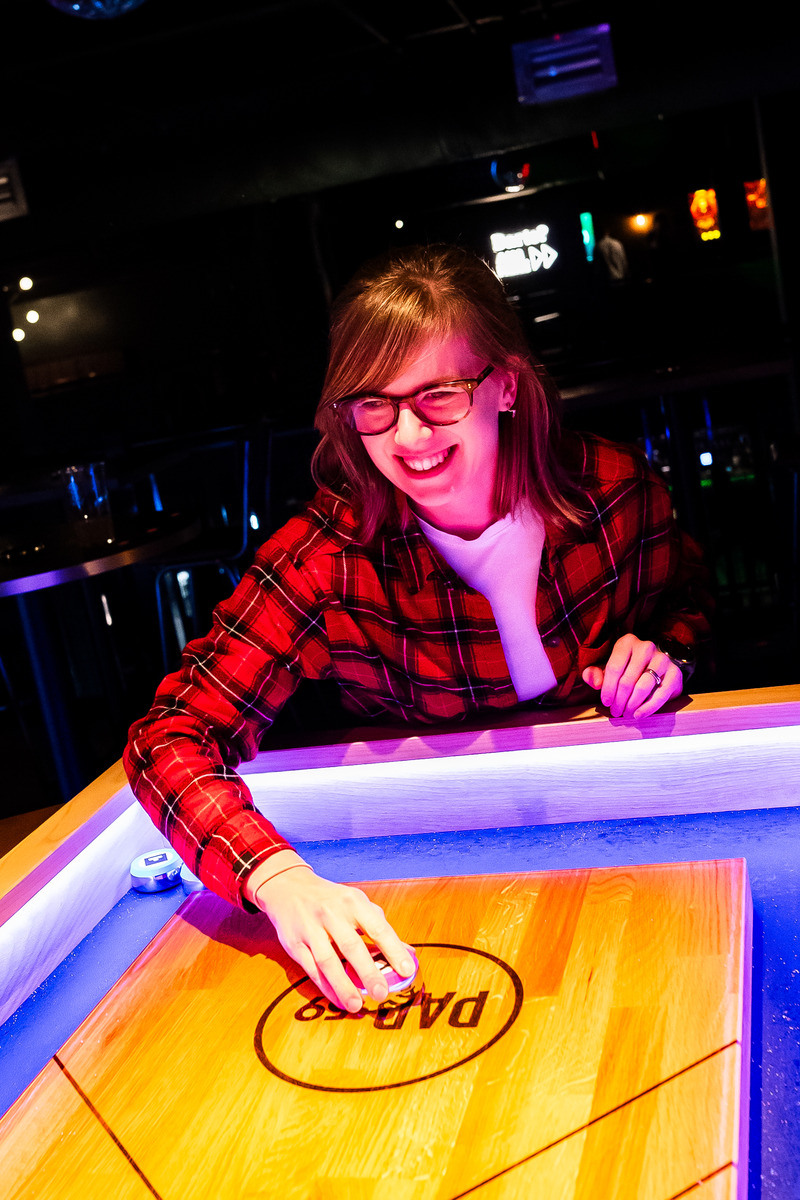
{"x": 470, "y": 1000}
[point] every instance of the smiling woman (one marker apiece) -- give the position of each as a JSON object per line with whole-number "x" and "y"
{"x": 446, "y": 470}
{"x": 434, "y": 315}
{"x": 461, "y": 556}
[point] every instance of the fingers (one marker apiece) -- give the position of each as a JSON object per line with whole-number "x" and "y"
{"x": 594, "y": 677}
{"x": 671, "y": 685}
{"x": 319, "y": 924}
{"x": 369, "y": 918}
{"x": 325, "y": 971}
{"x": 637, "y": 680}
{"x": 379, "y": 931}
{"x": 622, "y": 676}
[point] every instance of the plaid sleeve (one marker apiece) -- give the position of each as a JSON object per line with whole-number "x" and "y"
{"x": 631, "y": 570}
{"x": 210, "y": 715}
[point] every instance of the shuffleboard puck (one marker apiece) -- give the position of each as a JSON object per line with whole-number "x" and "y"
{"x": 402, "y": 989}
{"x": 156, "y": 871}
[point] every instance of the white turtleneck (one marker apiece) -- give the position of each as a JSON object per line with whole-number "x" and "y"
{"x": 503, "y": 565}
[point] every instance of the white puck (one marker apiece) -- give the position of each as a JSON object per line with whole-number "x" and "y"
{"x": 156, "y": 871}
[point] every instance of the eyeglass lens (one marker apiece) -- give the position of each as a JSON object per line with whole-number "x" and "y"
{"x": 440, "y": 406}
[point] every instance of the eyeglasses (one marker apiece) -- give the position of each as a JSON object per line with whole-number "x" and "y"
{"x": 437, "y": 404}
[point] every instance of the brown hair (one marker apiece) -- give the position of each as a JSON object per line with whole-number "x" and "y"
{"x": 383, "y": 318}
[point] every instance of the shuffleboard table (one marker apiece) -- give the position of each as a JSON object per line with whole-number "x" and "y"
{"x": 605, "y": 1010}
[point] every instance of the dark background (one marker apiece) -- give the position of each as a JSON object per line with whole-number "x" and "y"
{"x": 195, "y": 181}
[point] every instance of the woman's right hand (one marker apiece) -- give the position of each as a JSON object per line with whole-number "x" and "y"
{"x": 318, "y": 923}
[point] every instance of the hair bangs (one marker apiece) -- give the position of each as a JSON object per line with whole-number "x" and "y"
{"x": 372, "y": 344}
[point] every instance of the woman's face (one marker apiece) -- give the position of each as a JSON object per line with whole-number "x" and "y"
{"x": 447, "y": 471}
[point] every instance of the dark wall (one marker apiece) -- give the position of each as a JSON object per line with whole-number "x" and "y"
{"x": 201, "y": 178}
{"x": 199, "y": 181}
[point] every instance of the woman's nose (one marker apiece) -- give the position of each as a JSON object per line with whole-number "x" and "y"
{"x": 410, "y": 430}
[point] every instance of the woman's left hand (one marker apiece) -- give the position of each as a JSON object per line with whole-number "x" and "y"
{"x": 637, "y": 680}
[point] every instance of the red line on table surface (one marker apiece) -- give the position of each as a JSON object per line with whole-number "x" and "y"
{"x": 106, "y": 1127}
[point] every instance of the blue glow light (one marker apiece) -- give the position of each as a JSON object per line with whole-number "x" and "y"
{"x": 92, "y": 10}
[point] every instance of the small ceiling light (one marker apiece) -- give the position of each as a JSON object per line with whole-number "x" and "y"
{"x": 399, "y": 224}
{"x": 25, "y": 284}
{"x": 32, "y": 316}
{"x": 642, "y": 223}
{"x": 18, "y": 335}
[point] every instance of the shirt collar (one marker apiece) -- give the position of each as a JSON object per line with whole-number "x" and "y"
{"x": 419, "y": 561}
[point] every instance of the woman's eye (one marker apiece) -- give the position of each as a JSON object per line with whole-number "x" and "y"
{"x": 372, "y": 405}
{"x": 439, "y": 396}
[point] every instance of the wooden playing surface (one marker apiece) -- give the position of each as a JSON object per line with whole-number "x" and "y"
{"x": 583, "y": 1034}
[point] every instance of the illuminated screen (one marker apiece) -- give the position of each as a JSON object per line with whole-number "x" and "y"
{"x": 567, "y": 64}
{"x": 524, "y": 252}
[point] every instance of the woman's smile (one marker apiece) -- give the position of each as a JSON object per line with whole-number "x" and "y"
{"x": 446, "y": 471}
{"x": 427, "y": 464}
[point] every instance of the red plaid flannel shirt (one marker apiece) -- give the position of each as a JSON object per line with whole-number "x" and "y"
{"x": 403, "y": 636}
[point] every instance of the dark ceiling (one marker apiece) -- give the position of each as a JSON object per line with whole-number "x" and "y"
{"x": 184, "y": 107}
{"x": 243, "y": 157}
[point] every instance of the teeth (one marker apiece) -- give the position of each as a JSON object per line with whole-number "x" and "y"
{"x": 425, "y": 464}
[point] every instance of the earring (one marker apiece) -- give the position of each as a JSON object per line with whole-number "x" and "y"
{"x": 512, "y": 412}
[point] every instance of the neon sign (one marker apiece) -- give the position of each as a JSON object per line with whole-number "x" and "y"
{"x": 587, "y": 233}
{"x": 758, "y": 206}
{"x": 703, "y": 207}
{"x": 523, "y": 253}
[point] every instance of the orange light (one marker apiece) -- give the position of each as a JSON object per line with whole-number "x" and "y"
{"x": 759, "y": 211}
{"x": 641, "y": 223}
{"x": 703, "y": 207}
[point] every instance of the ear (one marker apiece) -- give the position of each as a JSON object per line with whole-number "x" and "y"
{"x": 508, "y": 391}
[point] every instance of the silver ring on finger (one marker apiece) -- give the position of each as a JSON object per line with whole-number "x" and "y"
{"x": 658, "y": 678}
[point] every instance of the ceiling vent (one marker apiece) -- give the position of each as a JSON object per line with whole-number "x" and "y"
{"x": 564, "y": 65}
